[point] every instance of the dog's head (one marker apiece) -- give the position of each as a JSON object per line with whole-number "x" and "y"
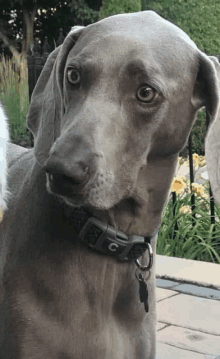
{"x": 114, "y": 106}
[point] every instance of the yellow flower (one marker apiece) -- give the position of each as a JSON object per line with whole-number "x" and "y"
{"x": 194, "y": 187}
{"x": 186, "y": 209}
{"x": 195, "y": 155}
{"x": 195, "y": 160}
{"x": 178, "y": 185}
{"x": 202, "y": 161}
{"x": 198, "y": 189}
{"x": 185, "y": 180}
{"x": 187, "y": 184}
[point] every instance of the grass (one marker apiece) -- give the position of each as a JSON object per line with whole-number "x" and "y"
{"x": 14, "y": 93}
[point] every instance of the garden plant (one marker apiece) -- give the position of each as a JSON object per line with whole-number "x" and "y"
{"x": 13, "y": 93}
{"x": 183, "y": 235}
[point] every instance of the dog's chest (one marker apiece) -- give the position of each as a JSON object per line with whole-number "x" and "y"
{"x": 73, "y": 299}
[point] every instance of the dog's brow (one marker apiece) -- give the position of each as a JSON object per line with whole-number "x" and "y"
{"x": 148, "y": 74}
{"x": 83, "y": 61}
{"x": 84, "y": 57}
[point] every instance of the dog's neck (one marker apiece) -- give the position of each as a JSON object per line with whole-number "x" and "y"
{"x": 104, "y": 236}
{"x": 137, "y": 215}
{"x": 140, "y": 214}
{"x": 124, "y": 216}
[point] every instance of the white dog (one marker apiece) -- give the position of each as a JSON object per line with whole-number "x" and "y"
{"x": 4, "y": 138}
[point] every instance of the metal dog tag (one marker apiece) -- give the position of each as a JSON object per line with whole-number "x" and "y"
{"x": 143, "y": 292}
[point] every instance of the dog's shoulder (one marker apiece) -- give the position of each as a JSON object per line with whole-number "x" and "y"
{"x": 16, "y": 153}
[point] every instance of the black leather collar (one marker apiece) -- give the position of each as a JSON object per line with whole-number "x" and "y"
{"x": 105, "y": 238}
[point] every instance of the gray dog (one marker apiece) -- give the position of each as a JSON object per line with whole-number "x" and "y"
{"x": 112, "y": 109}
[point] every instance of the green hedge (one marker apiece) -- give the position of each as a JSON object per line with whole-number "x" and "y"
{"x": 112, "y": 7}
{"x": 198, "y": 18}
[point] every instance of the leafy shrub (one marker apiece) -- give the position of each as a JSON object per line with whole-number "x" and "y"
{"x": 112, "y": 7}
{"x": 198, "y": 134}
{"x": 198, "y": 18}
{"x": 84, "y": 15}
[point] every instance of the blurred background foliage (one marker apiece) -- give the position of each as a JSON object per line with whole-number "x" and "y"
{"x": 200, "y": 19}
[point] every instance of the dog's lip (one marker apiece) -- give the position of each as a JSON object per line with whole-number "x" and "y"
{"x": 66, "y": 182}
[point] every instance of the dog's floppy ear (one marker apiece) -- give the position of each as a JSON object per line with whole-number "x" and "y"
{"x": 212, "y": 145}
{"x": 46, "y": 107}
{"x": 206, "y": 93}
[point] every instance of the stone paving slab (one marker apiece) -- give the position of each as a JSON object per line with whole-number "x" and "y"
{"x": 162, "y": 294}
{"x": 186, "y": 289}
{"x": 165, "y": 351}
{"x": 166, "y": 283}
{"x": 190, "y": 312}
{"x": 192, "y": 340}
{"x": 161, "y": 326}
{"x": 197, "y": 313}
{"x": 198, "y": 291}
{"x": 185, "y": 270}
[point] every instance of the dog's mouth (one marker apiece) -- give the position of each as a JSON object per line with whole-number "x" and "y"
{"x": 98, "y": 191}
{"x": 63, "y": 178}
{"x": 64, "y": 185}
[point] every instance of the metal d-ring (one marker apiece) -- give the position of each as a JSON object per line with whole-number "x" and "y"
{"x": 148, "y": 267}
{"x": 140, "y": 277}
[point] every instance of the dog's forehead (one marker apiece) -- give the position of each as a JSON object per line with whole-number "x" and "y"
{"x": 145, "y": 25}
{"x": 143, "y": 35}
{"x": 116, "y": 51}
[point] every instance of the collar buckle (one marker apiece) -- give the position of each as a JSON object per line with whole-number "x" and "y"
{"x": 106, "y": 239}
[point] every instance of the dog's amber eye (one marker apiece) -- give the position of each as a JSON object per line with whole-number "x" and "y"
{"x": 73, "y": 76}
{"x": 146, "y": 94}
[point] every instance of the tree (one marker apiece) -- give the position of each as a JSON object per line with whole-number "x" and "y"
{"x": 17, "y": 19}
{"x": 18, "y": 9}
{"x": 7, "y": 29}
{"x": 83, "y": 14}
{"x": 21, "y": 20}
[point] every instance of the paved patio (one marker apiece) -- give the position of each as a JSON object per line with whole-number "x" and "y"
{"x": 188, "y": 309}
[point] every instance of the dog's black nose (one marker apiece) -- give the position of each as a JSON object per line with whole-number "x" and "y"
{"x": 76, "y": 173}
